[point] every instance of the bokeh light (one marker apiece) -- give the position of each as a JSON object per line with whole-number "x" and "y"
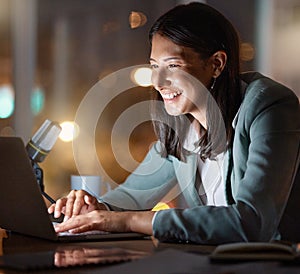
{"x": 69, "y": 132}
{"x": 247, "y": 52}
{"x": 7, "y": 101}
{"x": 7, "y": 131}
{"x": 137, "y": 19}
{"x": 37, "y": 100}
{"x": 142, "y": 77}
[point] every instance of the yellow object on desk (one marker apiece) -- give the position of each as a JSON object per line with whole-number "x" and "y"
{"x": 2, "y": 236}
{"x": 160, "y": 206}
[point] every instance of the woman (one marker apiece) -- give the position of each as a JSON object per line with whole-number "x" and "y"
{"x": 230, "y": 141}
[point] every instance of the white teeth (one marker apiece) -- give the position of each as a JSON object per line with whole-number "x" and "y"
{"x": 170, "y": 95}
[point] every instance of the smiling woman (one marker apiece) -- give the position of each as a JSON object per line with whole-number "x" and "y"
{"x": 172, "y": 65}
{"x": 222, "y": 136}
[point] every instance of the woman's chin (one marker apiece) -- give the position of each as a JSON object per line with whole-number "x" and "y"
{"x": 173, "y": 111}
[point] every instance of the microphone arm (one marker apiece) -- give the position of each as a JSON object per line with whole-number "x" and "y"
{"x": 39, "y": 174}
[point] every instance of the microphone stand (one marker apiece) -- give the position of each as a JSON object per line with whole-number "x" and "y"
{"x": 39, "y": 174}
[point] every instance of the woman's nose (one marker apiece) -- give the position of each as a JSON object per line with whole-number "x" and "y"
{"x": 160, "y": 78}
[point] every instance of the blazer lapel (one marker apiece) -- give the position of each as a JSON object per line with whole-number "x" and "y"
{"x": 186, "y": 175}
{"x": 228, "y": 165}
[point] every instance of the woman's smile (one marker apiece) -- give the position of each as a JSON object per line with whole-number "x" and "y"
{"x": 170, "y": 96}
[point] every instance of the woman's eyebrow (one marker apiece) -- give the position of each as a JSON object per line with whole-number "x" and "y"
{"x": 168, "y": 59}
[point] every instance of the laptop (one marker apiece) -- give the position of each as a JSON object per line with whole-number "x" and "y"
{"x": 23, "y": 209}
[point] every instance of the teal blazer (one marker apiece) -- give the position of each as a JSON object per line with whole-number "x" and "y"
{"x": 259, "y": 172}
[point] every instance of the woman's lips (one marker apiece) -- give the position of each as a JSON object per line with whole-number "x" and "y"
{"x": 170, "y": 95}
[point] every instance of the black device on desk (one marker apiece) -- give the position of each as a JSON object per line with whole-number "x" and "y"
{"x": 23, "y": 209}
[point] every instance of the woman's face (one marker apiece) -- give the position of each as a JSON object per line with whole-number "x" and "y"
{"x": 181, "y": 77}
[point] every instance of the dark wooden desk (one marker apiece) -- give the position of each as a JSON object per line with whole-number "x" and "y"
{"x": 164, "y": 258}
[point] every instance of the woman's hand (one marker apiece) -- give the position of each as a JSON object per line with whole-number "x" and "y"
{"x": 111, "y": 221}
{"x": 77, "y": 202}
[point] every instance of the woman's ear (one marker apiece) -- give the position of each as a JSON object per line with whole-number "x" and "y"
{"x": 219, "y": 60}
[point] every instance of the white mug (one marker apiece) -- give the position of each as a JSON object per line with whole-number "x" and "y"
{"x": 93, "y": 184}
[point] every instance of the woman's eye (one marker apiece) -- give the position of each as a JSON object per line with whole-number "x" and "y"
{"x": 174, "y": 66}
{"x": 171, "y": 66}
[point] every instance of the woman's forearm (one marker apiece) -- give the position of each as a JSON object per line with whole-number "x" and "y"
{"x": 141, "y": 221}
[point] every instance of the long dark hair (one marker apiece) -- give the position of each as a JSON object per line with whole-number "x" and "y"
{"x": 206, "y": 31}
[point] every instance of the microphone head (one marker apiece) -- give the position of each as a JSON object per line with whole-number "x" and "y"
{"x": 43, "y": 140}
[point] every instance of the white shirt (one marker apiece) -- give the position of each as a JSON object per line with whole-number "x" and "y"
{"x": 211, "y": 187}
{"x": 211, "y": 174}
{"x": 210, "y": 171}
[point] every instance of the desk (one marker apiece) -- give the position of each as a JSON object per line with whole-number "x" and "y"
{"x": 164, "y": 258}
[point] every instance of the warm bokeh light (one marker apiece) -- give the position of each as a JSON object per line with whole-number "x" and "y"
{"x": 7, "y": 131}
{"x": 142, "y": 77}
{"x": 110, "y": 27}
{"x": 7, "y": 101}
{"x": 69, "y": 131}
{"x": 160, "y": 206}
{"x": 137, "y": 19}
{"x": 247, "y": 52}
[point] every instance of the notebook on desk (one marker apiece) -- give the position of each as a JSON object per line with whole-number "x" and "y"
{"x": 22, "y": 207}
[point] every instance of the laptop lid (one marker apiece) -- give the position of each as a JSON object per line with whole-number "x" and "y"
{"x": 23, "y": 209}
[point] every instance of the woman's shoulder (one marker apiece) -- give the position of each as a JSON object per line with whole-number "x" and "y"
{"x": 265, "y": 95}
{"x": 258, "y": 85}
{"x": 262, "y": 91}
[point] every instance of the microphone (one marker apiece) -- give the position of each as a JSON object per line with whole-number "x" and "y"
{"x": 43, "y": 140}
{"x": 39, "y": 147}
